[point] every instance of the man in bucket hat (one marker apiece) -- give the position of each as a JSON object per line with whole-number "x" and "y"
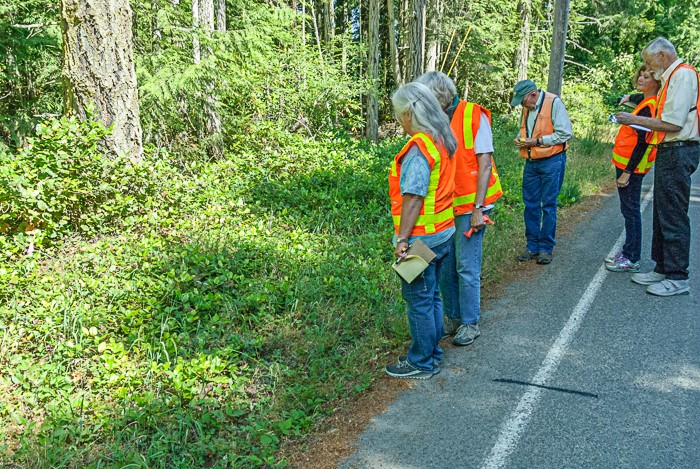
{"x": 545, "y": 130}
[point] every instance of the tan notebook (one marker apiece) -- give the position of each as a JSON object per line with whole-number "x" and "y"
{"x": 417, "y": 259}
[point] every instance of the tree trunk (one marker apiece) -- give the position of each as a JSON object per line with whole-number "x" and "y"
{"x": 221, "y": 15}
{"x": 416, "y": 51}
{"x": 318, "y": 39}
{"x": 523, "y": 52}
{"x": 346, "y": 39}
{"x": 203, "y": 20}
{"x": 373, "y": 70}
{"x": 329, "y": 22}
{"x": 393, "y": 49}
{"x": 196, "y": 52}
{"x": 556, "y": 59}
{"x": 98, "y": 69}
{"x": 433, "y": 33}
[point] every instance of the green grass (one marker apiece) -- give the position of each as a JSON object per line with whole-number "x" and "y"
{"x": 206, "y": 327}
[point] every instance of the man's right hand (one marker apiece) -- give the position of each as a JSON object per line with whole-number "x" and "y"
{"x": 522, "y": 142}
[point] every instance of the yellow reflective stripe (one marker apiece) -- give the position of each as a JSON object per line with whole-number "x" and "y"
{"x": 429, "y": 200}
{"x": 393, "y": 168}
{"x": 464, "y": 199}
{"x": 471, "y": 198}
{"x": 428, "y": 220}
{"x": 662, "y": 98}
{"x": 467, "y": 125}
{"x": 495, "y": 188}
{"x": 620, "y": 159}
{"x": 645, "y": 165}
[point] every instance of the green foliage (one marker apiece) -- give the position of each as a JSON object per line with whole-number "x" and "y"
{"x": 185, "y": 312}
{"x": 29, "y": 66}
{"x": 216, "y": 324}
{"x": 55, "y": 182}
{"x": 258, "y": 70}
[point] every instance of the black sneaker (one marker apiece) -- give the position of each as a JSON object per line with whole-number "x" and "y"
{"x": 436, "y": 363}
{"x": 544, "y": 258}
{"x": 403, "y": 369}
{"x": 527, "y": 256}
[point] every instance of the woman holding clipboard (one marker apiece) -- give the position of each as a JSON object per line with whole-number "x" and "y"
{"x": 633, "y": 157}
{"x": 421, "y": 185}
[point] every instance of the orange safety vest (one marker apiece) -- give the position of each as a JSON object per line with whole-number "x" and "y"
{"x": 626, "y": 141}
{"x": 657, "y": 136}
{"x": 465, "y": 125}
{"x": 543, "y": 126}
{"x": 436, "y": 213}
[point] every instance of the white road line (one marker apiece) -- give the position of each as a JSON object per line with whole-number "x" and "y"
{"x": 514, "y": 426}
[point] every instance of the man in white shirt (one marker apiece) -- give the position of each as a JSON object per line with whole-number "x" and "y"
{"x": 677, "y": 138}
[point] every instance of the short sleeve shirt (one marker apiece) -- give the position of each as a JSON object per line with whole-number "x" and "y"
{"x": 415, "y": 179}
{"x": 415, "y": 173}
{"x": 483, "y": 143}
{"x": 681, "y": 96}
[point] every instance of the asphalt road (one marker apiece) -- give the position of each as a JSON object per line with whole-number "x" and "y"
{"x": 576, "y": 367}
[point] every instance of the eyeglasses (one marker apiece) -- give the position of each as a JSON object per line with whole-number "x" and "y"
{"x": 527, "y": 99}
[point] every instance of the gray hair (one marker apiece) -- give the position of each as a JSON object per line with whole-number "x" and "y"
{"x": 660, "y": 44}
{"x": 441, "y": 85}
{"x": 426, "y": 114}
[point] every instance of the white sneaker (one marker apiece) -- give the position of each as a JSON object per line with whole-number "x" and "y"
{"x": 669, "y": 288}
{"x": 648, "y": 278}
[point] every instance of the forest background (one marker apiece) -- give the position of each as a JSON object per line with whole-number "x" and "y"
{"x": 222, "y": 285}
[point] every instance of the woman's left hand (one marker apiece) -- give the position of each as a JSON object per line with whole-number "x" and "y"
{"x": 623, "y": 180}
{"x": 477, "y": 220}
{"x": 400, "y": 251}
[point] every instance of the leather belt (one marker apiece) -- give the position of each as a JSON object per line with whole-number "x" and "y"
{"x": 680, "y": 143}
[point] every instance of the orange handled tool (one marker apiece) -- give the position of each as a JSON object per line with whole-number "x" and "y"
{"x": 487, "y": 220}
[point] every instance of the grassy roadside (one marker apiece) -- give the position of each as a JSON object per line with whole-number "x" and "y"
{"x": 248, "y": 298}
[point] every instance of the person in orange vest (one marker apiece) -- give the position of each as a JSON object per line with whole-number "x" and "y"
{"x": 545, "y": 130}
{"x": 633, "y": 157}
{"x": 676, "y": 134}
{"x": 477, "y": 187}
{"x": 421, "y": 184}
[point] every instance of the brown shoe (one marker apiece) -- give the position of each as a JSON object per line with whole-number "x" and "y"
{"x": 527, "y": 256}
{"x": 544, "y": 258}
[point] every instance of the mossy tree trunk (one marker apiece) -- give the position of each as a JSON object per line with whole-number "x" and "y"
{"x": 98, "y": 69}
{"x": 373, "y": 70}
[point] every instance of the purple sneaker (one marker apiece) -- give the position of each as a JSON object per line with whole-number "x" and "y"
{"x": 623, "y": 265}
{"x": 614, "y": 259}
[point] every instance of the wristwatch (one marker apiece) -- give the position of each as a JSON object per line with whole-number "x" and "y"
{"x": 402, "y": 240}
{"x": 476, "y": 206}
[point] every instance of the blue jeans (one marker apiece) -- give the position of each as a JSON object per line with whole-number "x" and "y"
{"x": 424, "y": 310}
{"x": 460, "y": 282}
{"x": 630, "y": 208}
{"x": 542, "y": 180}
{"x": 670, "y": 242}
